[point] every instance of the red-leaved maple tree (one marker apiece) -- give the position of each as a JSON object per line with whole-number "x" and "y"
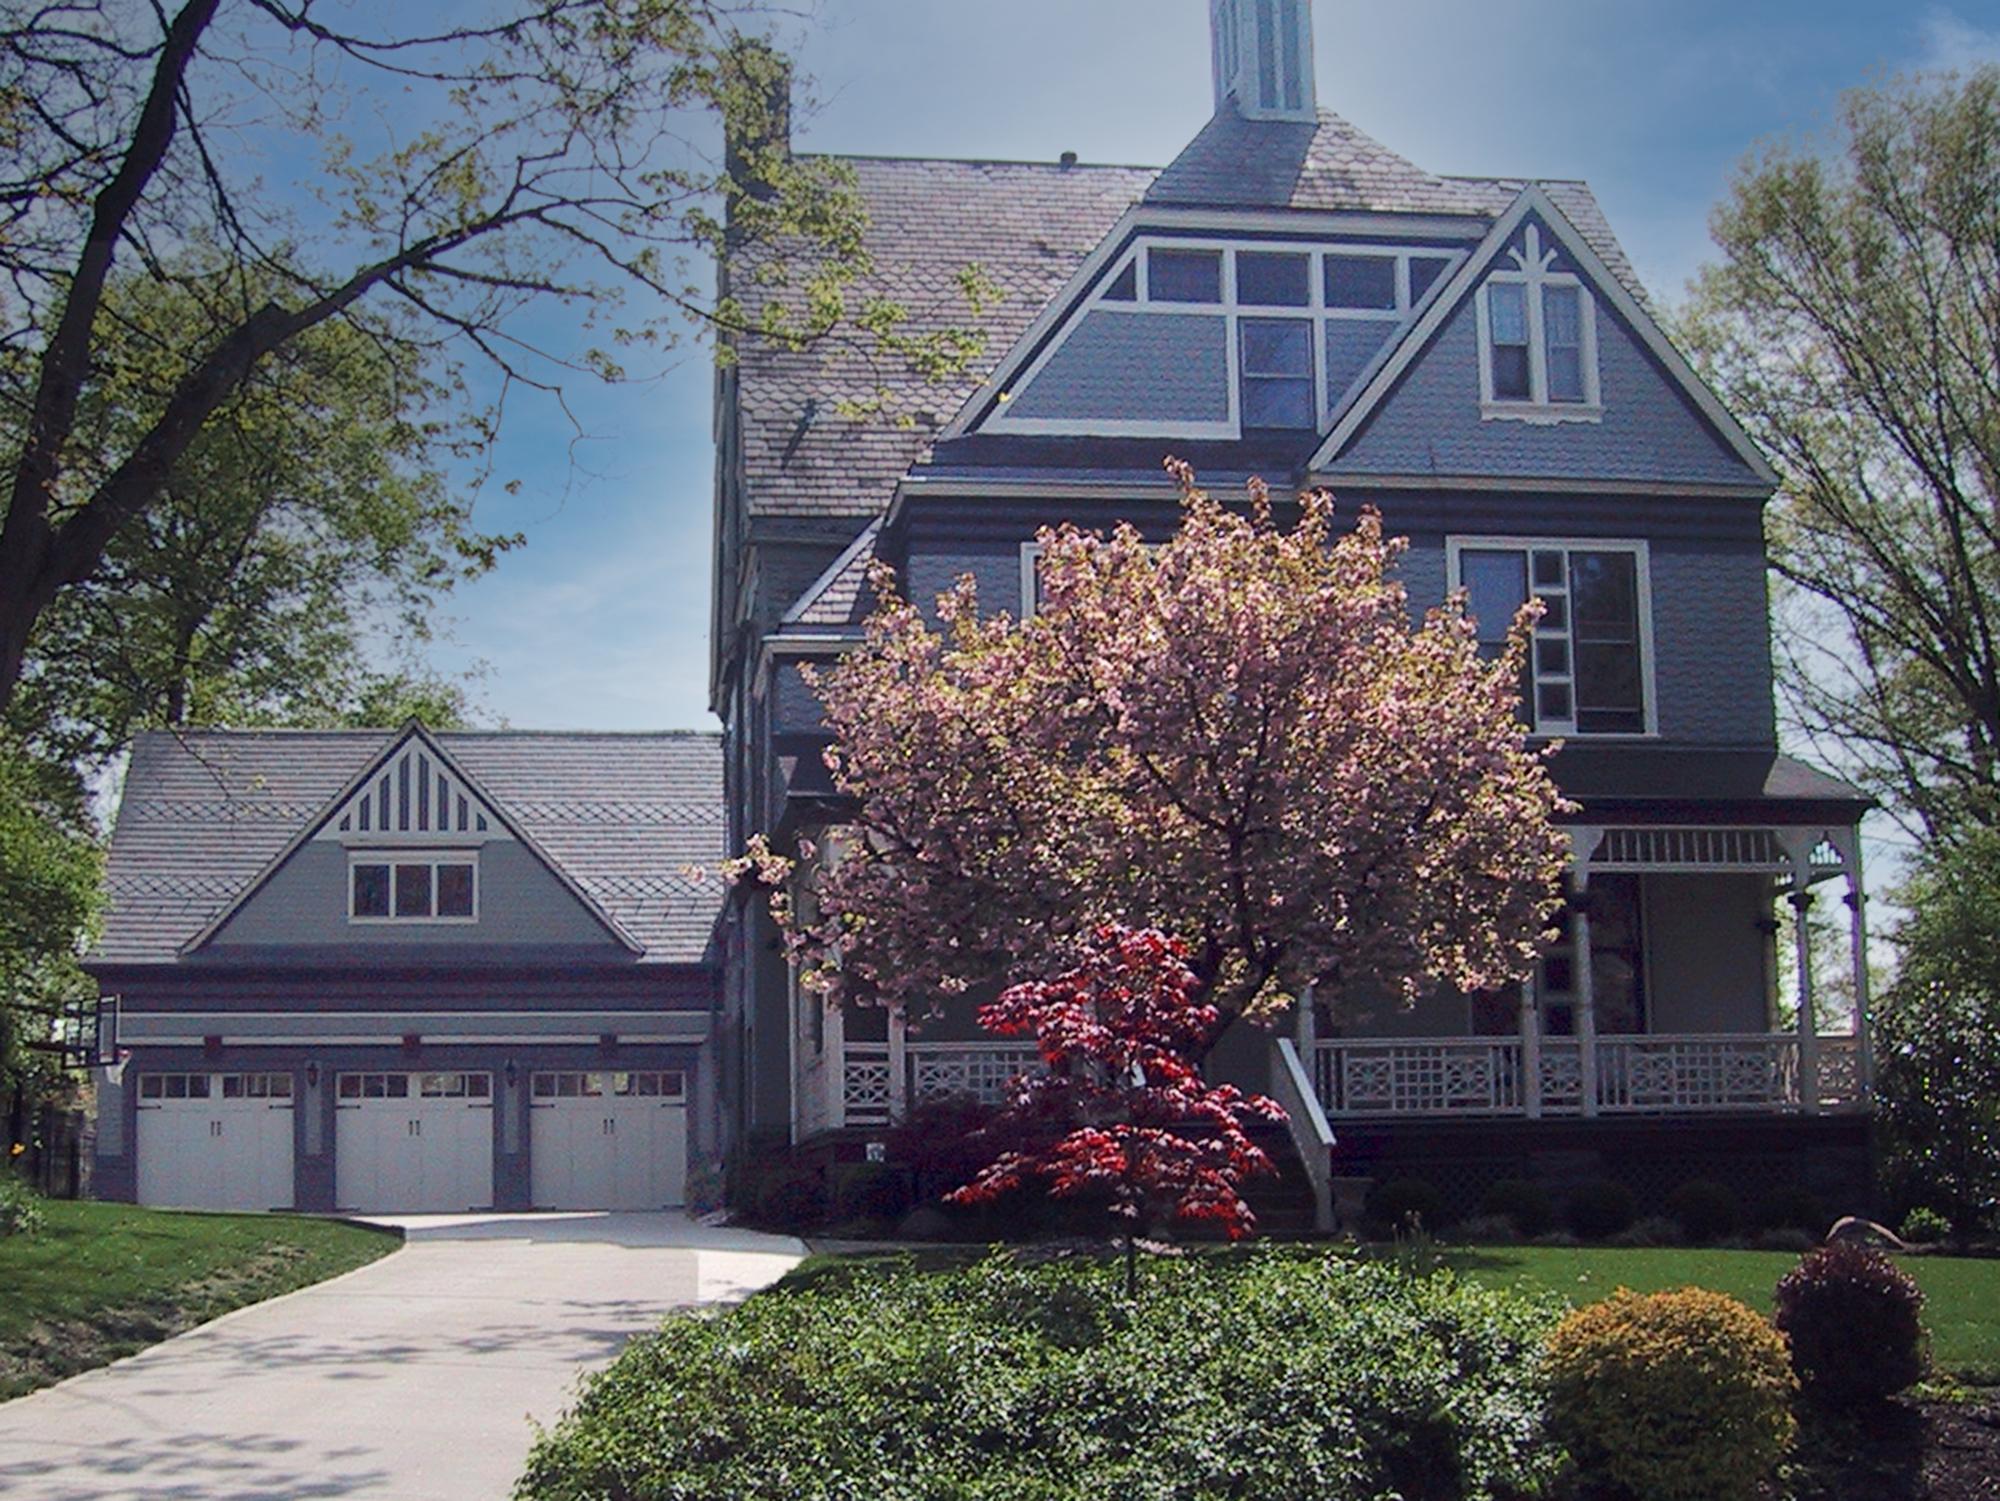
{"x": 1145, "y": 1131}
{"x": 1243, "y": 736}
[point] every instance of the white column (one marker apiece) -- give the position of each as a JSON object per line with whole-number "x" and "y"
{"x": 1857, "y": 906}
{"x": 1808, "y": 1019}
{"x": 1531, "y": 1053}
{"x": 899, "y": 1065}
{"x": 836, "y": 1046}
{"x": 1585, "y": 982}
{"x": 1305, "y": 1027}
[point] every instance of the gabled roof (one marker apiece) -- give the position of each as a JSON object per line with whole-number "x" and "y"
{"x": 1534, "y": 200}
{"x": 839, "y": 596}
{"x": 1026, "y": 225}
{"x": 633, "y": 824}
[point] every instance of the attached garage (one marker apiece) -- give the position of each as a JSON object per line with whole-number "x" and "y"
{"x": 413, "y": 1143}
{"x": 608, "y": 1140}
{"x": 215, "y": 1140}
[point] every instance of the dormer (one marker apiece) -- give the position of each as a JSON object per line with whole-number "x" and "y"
{"x": 1264, "y": 58}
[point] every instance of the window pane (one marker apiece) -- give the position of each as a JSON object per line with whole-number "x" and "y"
{"x": 1277, "y": 346}
{"x": 478, "y": 1085}
{"x": 1424, "y": 272}
{"x": 1552, "y": 656}
{"x": 1273, "y": 280}
{"x": 1496, "y": 585}
{"x": 1278, "y": 403}
{"x": 1548, "y": 570}
{"x": 350, "y": 1086}
{"x": 1361, "y": 281}
{"x": 197, "y": 1086}
{"x": 1125, "y": 286}
{"x": 1184, "y": 275}
{"x": 1562, "y": 319}
{"x": 413, "y": 891}
{"x": 454, "y": 891}
{"x": 149, "y": 1086}
{"x": 397, "y": 1086}
{"x": 1605, "y": 588}
{"x": 1510, "y": 373}
{"x": 232, "y": 1086}
{"x": 1507, "y": 312}
{"x": 281, "y": 1086}
{"x": 371, "y": 891}
{"x": 1607, "y": 677}
{"x": 1551, "y": 701}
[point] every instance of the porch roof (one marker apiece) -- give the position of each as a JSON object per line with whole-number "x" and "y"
{"x": 1661, "y": 785}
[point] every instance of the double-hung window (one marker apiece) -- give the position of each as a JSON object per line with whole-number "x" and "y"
{"x": 1537, "y": 341}
{"x": 399, "y": 887}
{"x": 1589, "y": 664}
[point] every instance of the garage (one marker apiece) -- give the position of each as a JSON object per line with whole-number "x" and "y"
{"x": 215, "y": 1140}
{"x": 608, "y": 1140}
{"x": 413, "y": 1143}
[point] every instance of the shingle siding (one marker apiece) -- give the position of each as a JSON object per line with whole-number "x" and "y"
{"x": 1134, "y": 367}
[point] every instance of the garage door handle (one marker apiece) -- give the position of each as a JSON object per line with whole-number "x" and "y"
{"x": 215, "y": 1128}
{"x": 416, "y": 1128}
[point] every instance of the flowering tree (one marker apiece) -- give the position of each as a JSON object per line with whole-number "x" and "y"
{"x": 1115, "y": 1035}
{"x": 1241, "y": 737}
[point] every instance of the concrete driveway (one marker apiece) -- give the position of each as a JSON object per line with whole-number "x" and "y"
{"x": 418, "y": 1377}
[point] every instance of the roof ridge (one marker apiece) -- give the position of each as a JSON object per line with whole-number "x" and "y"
{"x": 976, "y": 161}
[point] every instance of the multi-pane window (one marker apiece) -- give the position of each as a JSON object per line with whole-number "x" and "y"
{"x": 426, "y": 888}
{"x": 1587, "y": 671}
{"x": 1537, "y": 339}
{"x": 1277, "y": 373}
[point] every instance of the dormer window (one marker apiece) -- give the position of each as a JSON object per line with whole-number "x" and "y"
{"x": 400, "y": 887}
{"x": 1537, "y": 341}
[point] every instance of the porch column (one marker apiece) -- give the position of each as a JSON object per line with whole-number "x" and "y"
{"x": 1586, "y": 994}
{"x": 836, "y": 1048}
{"x": 1305, "y": 1027}
{"x": 899, "y": 1066}
{"x": 1808, "y": 1017}
{"x": 1531, "y": 1053}
{"x": 1857, "y": 907}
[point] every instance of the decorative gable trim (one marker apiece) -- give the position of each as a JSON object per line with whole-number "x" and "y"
{"x": 412, "y": 741}
{"x": 413, "y": 795}
{"x": 1534, "y": 200}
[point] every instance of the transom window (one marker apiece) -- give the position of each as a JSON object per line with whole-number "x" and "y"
{"x": 668, "y": 1084}
{"x": 1589, "y": 664}
{"x": 212, "y": 1086}
{"x": 1537, "y": 340}
{"x": 413, "y": 888}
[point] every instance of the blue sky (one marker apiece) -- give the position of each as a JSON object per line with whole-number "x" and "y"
{"x": 602, "y": 621}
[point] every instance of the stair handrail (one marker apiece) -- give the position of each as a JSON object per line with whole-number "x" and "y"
{"x": 1307, "y": 1123}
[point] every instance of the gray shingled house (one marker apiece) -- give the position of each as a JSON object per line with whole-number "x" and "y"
{"x": 1475, "y": 358}
{"x": 401, "y": 971}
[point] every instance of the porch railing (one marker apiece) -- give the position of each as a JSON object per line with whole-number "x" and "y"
{"x": 1468, "y": 1076}
{"x": 872, "y": 1095}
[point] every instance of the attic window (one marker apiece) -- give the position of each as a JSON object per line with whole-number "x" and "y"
{"x": 1184, "y": 276}
{"x": 1537, "y": 341}
{"x": 1361, "y": 281}
{"x": 422, "y": 888}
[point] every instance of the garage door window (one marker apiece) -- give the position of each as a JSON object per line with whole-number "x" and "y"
{"x": 374, "y": 1086}
{"x": 256, "y": 1086}
{"x": 173, "y": 1086}
{"x": 454, "y": 1086}
{"x": 668, "y": 1084}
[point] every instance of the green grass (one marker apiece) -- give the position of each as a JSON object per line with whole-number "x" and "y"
{"x": 1962, "y": 1296}
{"x": 103, "y": 1280}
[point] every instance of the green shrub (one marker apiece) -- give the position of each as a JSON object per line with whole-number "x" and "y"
{"x": 1704, "y": 1209}
{"x": 1854, "y": 1320}
{"x": 791, "y": 1199}
{"x": 1599, "y": 1210}
{"x": 1925, "y": 1227}
{"x": 1652, "y": 1230}
{"x": 20, "y": 1207}
{"x": 1529, "y": 1205}
{"x": 1791, "y": 1208}
{"x": 1257, "y": 1376}
{"x": 871, "y": 1191}
{"x": 1677, "y": 1396}
{"x": 1487, "y": 1230}
{"x": 1393, "y": 1201}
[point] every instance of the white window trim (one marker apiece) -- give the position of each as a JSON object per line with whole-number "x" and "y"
{"x": 1230, "y": 311}
{"x": 1456, "y": 545}
{"x": 1532, "y": 272}
{"x": 391, "y": 857}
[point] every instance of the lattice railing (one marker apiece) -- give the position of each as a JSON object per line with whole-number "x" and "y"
{"x": 985, "y": 1071}
{"x": 864, "y": 1084}
{"x": 1469, "y": 1076}
{"x": 1840, "y": 1078}
{"x": 1659, "y": 1074}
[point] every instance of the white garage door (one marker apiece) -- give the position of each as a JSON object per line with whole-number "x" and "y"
{"x": 215, "y": 1141}
{"x": 608, "y": 1140}
{"x": 413, "y": 1143}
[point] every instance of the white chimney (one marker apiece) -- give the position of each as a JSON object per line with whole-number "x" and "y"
{"x": 1264, "y": 58}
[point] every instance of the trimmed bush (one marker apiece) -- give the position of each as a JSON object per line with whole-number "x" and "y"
{"x": 791, "y": 1199}
{"x": 1854, "y": 1319}
{"x": 1255, "y": 1376}
{"x": 1925, "y": 1227}
{"x": 1653, "y": 1230}
{"x": 1705, "y": 1210}
{"x": 1529, "y": 1205}
{"x": 871, "y": 1191}
{"x": 1676, "y": 1396}
{"x": 1392, "y": 1202}
{"x": 1599, "y": 1210}
{"x": 1792, "y": 1208}
{"x": 20, "y": 1209}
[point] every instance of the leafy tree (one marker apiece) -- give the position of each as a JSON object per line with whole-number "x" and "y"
{"x": 1146, "y": 1133}
{"x": 309, "y": 515}
{"x": 1852, "y": 325}
{"x": 1240, "y": 738}
{"x": 1937, "y": 1036}
{"x": 534, "y": 160}
{"x": 48, "y": 893}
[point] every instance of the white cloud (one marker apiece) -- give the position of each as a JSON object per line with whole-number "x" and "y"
{"x": 1947, "y": 43}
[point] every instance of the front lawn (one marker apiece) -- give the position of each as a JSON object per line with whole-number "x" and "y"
{"x": 100, "y": 1281}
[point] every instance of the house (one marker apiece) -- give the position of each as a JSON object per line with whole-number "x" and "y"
{"x": 1475, "y": 358}
{"x": 399, "y": 971}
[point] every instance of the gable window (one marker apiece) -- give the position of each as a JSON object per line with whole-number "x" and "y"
{"x": 407, "y": 888}
{"x": 1589, "y": 668}
{"x": 1537, "y": 340}
{"x": 1277, "y": 373}
{"x": 1361, "y": 281}
{"x": 1184, "y": 276}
